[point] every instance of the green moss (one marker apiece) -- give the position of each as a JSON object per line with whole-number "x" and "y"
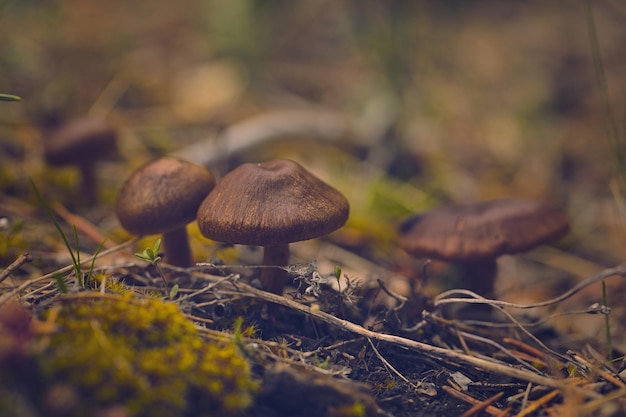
{"x": 145, "y": 355}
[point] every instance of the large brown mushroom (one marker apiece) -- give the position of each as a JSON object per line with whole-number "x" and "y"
{"x": 82, "y": 143}
{"x": 162, "y": 197}
{"x": 473, "y": 235}
{"x": 271, "y": 204}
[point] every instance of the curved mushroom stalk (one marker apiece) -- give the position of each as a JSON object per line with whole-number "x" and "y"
{"x": 274, "y": 279}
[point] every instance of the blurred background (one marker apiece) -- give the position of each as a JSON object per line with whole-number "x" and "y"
{"x": 428, "y": 103}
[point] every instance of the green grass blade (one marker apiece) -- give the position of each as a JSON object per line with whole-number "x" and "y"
{"x": 61, "y": 284}
{"x": 79, "y": 278}
{"x": 9, "y": 97}
{"x": 50, "y": 214}
{"x": 93, "y": 262}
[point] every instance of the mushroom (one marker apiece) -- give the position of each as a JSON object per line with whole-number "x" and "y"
{"x": 271, "y": 204}
{"x": 162, "y": 197}
{"x": 473, "y": 235}
{"x": 82, "y": 142}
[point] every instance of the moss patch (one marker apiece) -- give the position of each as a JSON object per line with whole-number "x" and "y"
{"x": 144, "y": 355}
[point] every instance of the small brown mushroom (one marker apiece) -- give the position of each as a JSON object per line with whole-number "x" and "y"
{"x": 271, "y": 204}
{"x": 82, "y": 142}
{"x": 162, "y": 197}
{"x": 473, "y": 235}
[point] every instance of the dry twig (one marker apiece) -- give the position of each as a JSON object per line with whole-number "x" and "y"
{"x": 83, "y": 225}
{"x": 24, "y": 258}
{"x": 535, "y": 405}
{"x": 477, "y": 408}
{"x": 488, "y": 408}
{"x": 477, "y": 299}
{"x": 594, "y": 368}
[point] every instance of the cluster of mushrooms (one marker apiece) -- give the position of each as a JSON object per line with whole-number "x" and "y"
{"x": 269, "y": 204}
{"x": 165, "y": 195}
{"x": 274, "y": 203}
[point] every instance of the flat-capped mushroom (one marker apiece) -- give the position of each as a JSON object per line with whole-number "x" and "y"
{"x": 473, "y": 235}
{"x": 82, "y": 142}
{"x": 271, "y": 204}
{"x": 162, "y": 197}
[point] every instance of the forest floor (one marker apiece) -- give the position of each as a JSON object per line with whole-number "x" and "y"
{"x": 402, "y": 107}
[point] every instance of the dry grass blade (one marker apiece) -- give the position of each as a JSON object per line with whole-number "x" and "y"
{"x": 592, "y": 406}
{"x": 390, "y": 366}
{"x": 477, "y": 299}
{"x": 536, "y": 405}
{"x": 9, "y": 295}
{"x": 524, "y": 361}
{"x": 598, "y": 371}
{"x": 525, "y": 347}
{"x": 477, "y": 408}
{"x": 488, "y": 408}
{"x": 83, "y": 225}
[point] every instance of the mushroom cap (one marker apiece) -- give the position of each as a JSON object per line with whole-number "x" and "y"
{"x": 162, "y": 195}
{"x": 271, "y": 203}
{"x": 480, "y": 231}
{"x": 81, "y": 140}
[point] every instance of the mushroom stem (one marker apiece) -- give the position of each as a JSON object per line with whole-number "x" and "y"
{"x": 88, "y": 183}
{"x": 479, "y": 276}
{"x": 274, "y": 279}
{"x": 177, "y": 251}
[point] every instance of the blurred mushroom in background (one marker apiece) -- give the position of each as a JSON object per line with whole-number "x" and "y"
{"x": 472, "y": 236}
{"x": 81, "y": 142}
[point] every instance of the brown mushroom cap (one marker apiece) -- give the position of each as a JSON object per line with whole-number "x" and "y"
{"x": 271, "y": 203}
{"x": 162, "y": 196}
{"x": 82, "y": 140}
{"x": 471, "y": 232}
